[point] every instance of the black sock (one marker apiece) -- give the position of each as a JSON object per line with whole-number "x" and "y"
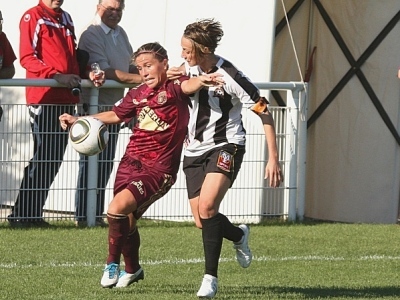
{"x": 230, "y": 231}
{"x": 212, "y": 243}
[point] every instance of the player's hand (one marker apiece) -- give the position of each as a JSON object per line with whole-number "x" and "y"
{"x": 213, "y": 79}
{"x": 273, "y": 172}
{"x": 174, "y": 73}
{"x": 66, "y": 120}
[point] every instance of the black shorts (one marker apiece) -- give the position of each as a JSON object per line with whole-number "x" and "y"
{"x": 226, "y": 159}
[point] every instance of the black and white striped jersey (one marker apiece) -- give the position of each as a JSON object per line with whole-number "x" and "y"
{"x": 215, "y": 113}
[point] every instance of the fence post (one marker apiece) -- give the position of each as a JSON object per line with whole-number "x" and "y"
{"x": 290, "y": 176}
{"x": 302, "y": 156}
{"x": 92, "y": 167}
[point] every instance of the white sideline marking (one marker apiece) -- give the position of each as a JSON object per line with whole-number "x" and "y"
{"x": 201, "y": 260}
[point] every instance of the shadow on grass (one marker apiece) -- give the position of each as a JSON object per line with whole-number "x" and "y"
{"x": 336, "y": 292}
{"x": 266, "y": 292}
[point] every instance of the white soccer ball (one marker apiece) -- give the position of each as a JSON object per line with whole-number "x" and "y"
{"x": 88, "y": 136}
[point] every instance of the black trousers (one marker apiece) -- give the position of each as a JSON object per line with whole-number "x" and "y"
{"x": 49, "y": 144}
{"x": 105, "y": 167}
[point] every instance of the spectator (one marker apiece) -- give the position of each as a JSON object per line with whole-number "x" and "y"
{"x": 7, "y": 58}
{"x": 47, "y": 50}
{"x": 216, "y": 145}
{"x": 150, "y": 164}
{"x": 7, "y": 55}
{"x": 108, "y": 45}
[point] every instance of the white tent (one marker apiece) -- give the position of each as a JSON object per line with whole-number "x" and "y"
{"x": 353, "y": 103}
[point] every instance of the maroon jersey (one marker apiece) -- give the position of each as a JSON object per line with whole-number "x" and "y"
{"x": 162, "y": 119}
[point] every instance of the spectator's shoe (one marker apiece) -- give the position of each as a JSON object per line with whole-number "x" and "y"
{"x": 15, "y": 221}
{"x": 12, "y": 218}
{"x": 81, "y": 223}
{"x": 99, "y": 222}
{"x": 209, "y": 287}
{"x": 39, "y": 223}
{"x": 243, "y": 253}
{"x": 125, "y": 279}
{"x": 110, "y": 275}
{"x": 26, "y": 222}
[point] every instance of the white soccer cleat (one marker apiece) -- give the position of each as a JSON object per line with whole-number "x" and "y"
{"x": 110, "y": 275}
{"x": 126, "y": 279}
{"x": 209, "y": 287}
{"x": 243, "y": 253}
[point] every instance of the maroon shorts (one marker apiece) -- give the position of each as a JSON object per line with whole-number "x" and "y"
{"x": 146, "y": 184}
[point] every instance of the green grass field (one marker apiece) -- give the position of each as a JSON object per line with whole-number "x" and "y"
{"x": 291, "y": 261}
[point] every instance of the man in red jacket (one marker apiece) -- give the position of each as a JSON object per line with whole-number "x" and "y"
{"x": 47, "y": 50}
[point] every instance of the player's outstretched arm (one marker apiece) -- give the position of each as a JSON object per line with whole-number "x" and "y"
{"x": 107, "y": 117}
{"x": 195, "y": 83}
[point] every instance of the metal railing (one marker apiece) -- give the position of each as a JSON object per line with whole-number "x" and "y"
{"x": 249, "y": 200}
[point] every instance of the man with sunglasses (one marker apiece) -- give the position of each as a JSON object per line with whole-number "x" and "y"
{"x": 108, "y": 45}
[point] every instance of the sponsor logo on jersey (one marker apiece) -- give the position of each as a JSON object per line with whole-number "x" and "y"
{"x": 139, "y": 186}
{"x": 118, "y": 103}
{"x": 136, "y": 102}
{"x": 27, "y": 17}
{"x": 149, "y": 120}
{"x": 224, "y": 161}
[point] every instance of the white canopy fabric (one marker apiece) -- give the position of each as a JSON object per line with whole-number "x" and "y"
{"x": 353, "y": 171}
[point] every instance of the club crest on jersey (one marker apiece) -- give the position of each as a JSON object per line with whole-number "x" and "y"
{"x": 176, "y": 81}
{"x": 219, "y": 92}
{"x": 162, "y": 97}
{"x": 224, "y": 161}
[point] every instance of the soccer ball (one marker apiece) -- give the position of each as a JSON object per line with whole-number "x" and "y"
{"x": 88, "y": 136}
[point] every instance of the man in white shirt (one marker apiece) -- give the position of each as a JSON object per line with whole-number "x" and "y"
{"x": 108, "y": 45}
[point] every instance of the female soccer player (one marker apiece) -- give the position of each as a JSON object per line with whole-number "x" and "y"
{"x": 216, "y": 144}
{"x": 150, "y": 164}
